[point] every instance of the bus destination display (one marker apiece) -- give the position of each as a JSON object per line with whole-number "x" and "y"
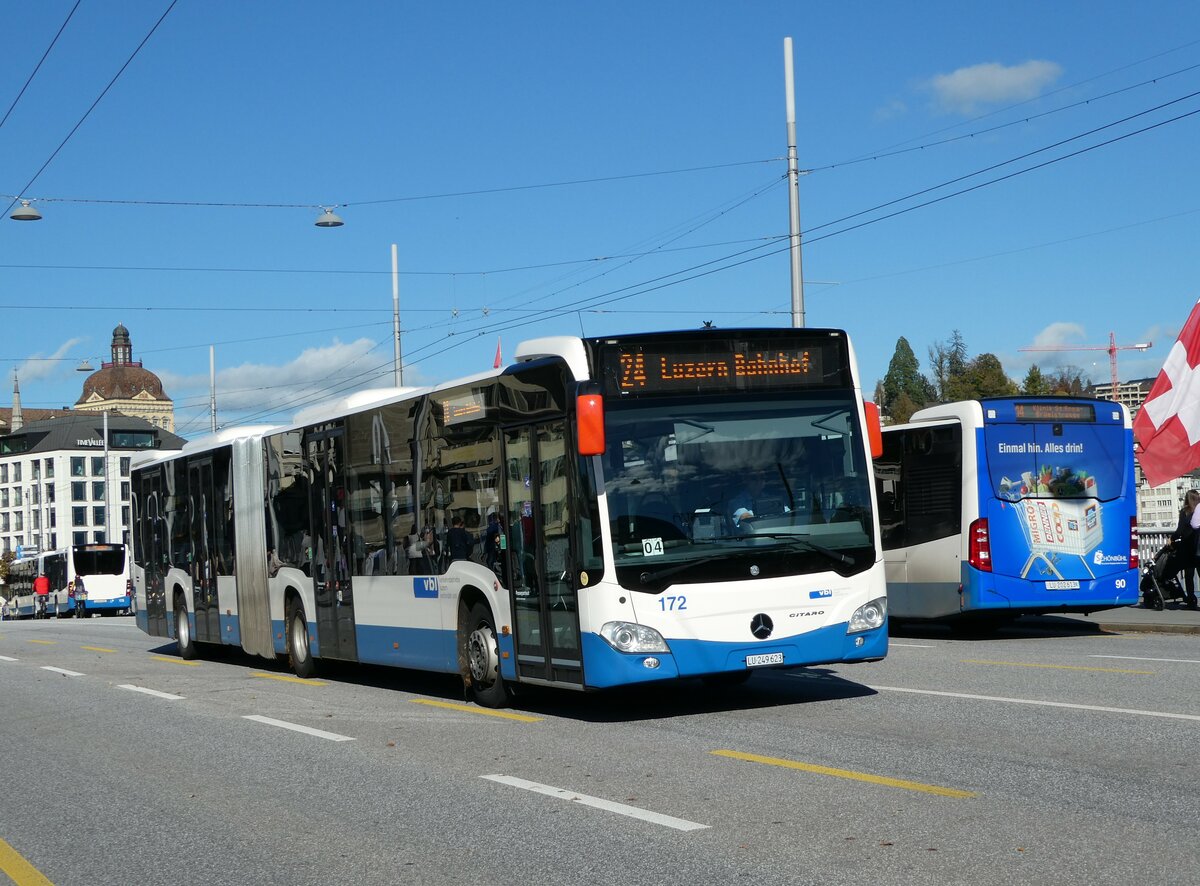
{"x": 644, "y": 369}
{"x": 1081, "y": 412}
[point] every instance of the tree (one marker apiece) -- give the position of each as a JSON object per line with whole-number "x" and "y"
{"x": 947, "y": 362}
{"x": 903, "y": 377}
{"x": 1035, "y": 382}
{"x": 5, "y": 561}
{"x": 981, "y": 377}
{"x": 1067, "y": 382}
{"x": 902, "y": 409}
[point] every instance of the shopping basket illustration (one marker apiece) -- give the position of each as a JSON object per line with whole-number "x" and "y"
{"x": 1055, "y": 527}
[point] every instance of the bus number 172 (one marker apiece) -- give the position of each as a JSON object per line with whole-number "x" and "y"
{"x": 672, "y": 604}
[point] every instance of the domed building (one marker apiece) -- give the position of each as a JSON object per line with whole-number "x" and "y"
{"x": 124, "y": 386}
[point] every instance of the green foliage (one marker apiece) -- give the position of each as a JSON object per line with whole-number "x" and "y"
{"x": 903, "y": 379}
{"x": 1035, "y": 382}
{"x": 5, "y": 560}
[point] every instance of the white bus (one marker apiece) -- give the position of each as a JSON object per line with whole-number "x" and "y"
{"x": 1006, "y": 506}
{"x": 103, "y": 569}
{"x": 581, "y": 519}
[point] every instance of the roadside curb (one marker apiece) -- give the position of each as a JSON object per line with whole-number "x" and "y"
{"x": 1126, "y": 627}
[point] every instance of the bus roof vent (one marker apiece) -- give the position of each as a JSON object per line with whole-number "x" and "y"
{"x": 567, "y": 347}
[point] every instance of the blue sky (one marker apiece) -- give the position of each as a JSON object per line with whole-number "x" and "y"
{"x": 607, "y": 167}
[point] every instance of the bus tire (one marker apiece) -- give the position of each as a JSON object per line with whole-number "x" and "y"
{"x": 300, "y": 656}
{"x": 485, "y": 685}
{"x": 183, "y": 630}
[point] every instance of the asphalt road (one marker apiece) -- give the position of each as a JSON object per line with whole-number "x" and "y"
{"x": 1062, "y": 756}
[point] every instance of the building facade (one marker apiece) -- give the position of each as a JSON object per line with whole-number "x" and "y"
{"x": 63, "y": 482}
{"x": 123, "y": 385}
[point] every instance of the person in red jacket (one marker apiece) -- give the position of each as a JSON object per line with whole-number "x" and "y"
{"x": 41, "y": 590}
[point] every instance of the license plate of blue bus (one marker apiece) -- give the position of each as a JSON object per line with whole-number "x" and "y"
{"x": 767, "y": 658}
{"x": 1062, "y": 585}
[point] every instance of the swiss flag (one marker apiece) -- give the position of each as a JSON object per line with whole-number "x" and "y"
{"x": 497, "y": 363}
{"x": 1168, "y": 426}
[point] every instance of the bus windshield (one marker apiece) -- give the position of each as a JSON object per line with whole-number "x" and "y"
{"x": 99, "y": 559}
{"x": 736, "y": 488}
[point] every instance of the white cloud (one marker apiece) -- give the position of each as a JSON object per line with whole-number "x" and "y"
{"x": 964, "y": 91}
{"x": 1058, "y": 334}
{"x": 43, "y": 366}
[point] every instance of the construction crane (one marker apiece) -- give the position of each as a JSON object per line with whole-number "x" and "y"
{"x": 1112, "y": 347}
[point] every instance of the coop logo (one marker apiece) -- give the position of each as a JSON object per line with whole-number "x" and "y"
{"x": 1101, "y": 558}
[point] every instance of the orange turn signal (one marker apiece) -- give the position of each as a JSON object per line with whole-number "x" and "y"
{"x": 589, "y": 424}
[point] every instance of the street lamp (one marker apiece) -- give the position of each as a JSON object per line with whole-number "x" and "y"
{"x": 327, "y": 219}
{"x": 25, "y": 212}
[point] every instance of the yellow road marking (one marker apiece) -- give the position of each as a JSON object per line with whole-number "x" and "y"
{"x": 1023, "y": 664}
{"x": 524, "y": 718}
{"x": 849, "y": 773}
{"x": 286, "y": 678}
{"x": 21, "y": 872}
{"x": 190, "y": 664}
{"x": 44, "y": 642}
{"x": 97, "y": 649}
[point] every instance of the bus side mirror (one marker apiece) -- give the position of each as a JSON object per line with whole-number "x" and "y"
{"x": 874, "y": 429}
{"x": 589, "y": 424}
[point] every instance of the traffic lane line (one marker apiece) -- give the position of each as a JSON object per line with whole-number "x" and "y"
{"x": 178, "y": 661}
{"x": 1034, "y": 701}
{"x": 1140, "y": 658}
{"x": 167, "y": 695}
{"x": 21, "y": 872}
{"x": 1026, "y": 664}
{"x": 851, "y": 774}
{"x": 670, "y": 821}
{"x": 44, "y": 642}
{"x": 296, "y": 727}
{"x": 469, "y": 709}
{"x": 62, "y": 671}
{"x": 97, "y": 649}
{"x": 8, "y": 658}
{"x": 287, "y": 678}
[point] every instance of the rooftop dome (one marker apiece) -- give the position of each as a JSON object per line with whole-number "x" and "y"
{"x": 123, "y": 378}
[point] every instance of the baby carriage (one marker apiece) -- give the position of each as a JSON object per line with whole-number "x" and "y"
{"x": 1160, "y": 579}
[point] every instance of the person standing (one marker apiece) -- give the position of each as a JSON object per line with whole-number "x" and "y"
{"x": 1183, "y": 543}
{"x": 80, "y": 598}
{"x": 460, "y": 542}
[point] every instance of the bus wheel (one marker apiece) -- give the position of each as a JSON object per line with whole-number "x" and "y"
{"x": 485, "y": 684}
{"x": 183, "y": 630}
{"x": 299, "y": 653}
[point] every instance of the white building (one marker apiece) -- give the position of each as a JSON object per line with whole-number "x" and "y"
{"x": 57, "y": 487}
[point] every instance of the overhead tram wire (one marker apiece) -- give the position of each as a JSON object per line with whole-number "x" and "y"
{"x": 991, "y": 129}
{"x": 38, "y": 66}
{"x": 91, "y": 108}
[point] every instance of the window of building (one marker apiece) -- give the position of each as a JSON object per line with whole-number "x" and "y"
{"x": 53, "y": 537}
{"x": 98, "y": 536}
{"x": 125, "y": 465}
{"x": 97, "y": 465}
{"x": 35, "y": 470}
{"x": 16, "y": 496}
{"x": 125, "y": 516}
{"x": 3, "y": 522}
{"x": 98, "y": 490}
{"x": 79, "y": 538}
{"x": 37, "y": 519}
{"x": 3, "y": 498}
{"x": 98, "y": 516}
{"x": 125, "y": 491}
{"x": 79, "y": 517}
{"x": 78, "y": 466}
{"x": 4, "y": 473}
{"x": 49, "y": 469}
{"x": 78, "y": 491}
{"x": 49, "y": 493}
{"x": 16, "y": 472}
{"x": 53, "y": 518}
{"x": 18, "y": 522}
{"x": 35, "y": 495}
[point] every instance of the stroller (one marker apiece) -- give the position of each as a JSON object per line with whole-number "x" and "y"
{"x": 1160, "y": 579}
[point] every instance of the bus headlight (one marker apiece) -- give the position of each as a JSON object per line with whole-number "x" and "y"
{"x": 626, "y": 636}
{"x": 869, "y": 616}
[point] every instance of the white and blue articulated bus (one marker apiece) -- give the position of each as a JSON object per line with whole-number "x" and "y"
{"x": 603, "y": 512}
{"x": 100, "y": 568}
{"x": 995, "y": 508}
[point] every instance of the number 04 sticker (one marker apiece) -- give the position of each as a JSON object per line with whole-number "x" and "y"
{"x": 652, "y": 547}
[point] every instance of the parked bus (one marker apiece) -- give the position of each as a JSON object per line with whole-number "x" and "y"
{"x": 103, "y": 569}
{"x": 571, "y": 520}
{"x": 995, "y": 508}
{"x": 19, "y": 587}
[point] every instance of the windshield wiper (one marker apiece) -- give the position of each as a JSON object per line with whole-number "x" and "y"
{"x": 648, "y": 577}
{"x": 810, "y": 545}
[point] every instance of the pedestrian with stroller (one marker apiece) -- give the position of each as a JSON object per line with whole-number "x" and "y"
{"x": 1183, "y": 544}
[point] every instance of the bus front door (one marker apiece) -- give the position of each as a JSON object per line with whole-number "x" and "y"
{"x": 329, "y": 517}
{"x": 538, "y": 557}
{"x": 203, "y": 564}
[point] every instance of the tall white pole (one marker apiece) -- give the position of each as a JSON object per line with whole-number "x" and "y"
{"x": 398, "y": 368}
{"x": 212, "y": 388}
{"x": 793, "y": 189}
{"x": 107, "y": 499}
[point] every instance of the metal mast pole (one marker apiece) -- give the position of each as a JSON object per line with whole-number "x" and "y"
{"x": 212, "y": 388}
{"x": 398, "y": 369}
{"x": 793, "y": 189}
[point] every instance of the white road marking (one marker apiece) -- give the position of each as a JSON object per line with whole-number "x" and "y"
{"x": 678, "y": 824}
{"x": 167, "y": 695}
{"x": 7, "y": 658}
{"x": 62, "y": 671}
{"x": 1050, "y": 704}
{"x": 912, "y": 645}
{"x": 295, "y": 727}
{"x": 1137, "y": 658}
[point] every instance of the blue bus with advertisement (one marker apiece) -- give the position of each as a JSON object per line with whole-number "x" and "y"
{"x": 994, "y": 508}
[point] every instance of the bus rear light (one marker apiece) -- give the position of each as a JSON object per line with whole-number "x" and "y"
{"x": 589, "y": 424}
{"x": 979, "y": 550}
{"x": 874, "y": 429}
{"x": 1135, "y": 556}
